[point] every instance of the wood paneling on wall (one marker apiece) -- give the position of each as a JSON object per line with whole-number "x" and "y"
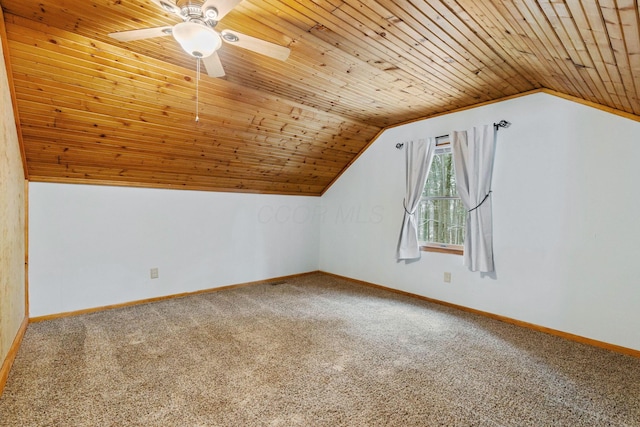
{"x": 12, "y": 228}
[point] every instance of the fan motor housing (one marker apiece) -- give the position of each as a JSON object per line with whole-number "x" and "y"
{"x": 191, "y": 10}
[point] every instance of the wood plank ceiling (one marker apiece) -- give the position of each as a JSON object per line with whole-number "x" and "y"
{"x": 96, "y": 110}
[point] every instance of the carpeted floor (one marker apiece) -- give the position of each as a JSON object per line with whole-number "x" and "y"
{"x": 312, "y": 351}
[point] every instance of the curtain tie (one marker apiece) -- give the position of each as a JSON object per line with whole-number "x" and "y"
{"x": 479, "y": 204}
{"x": 404, "y": 204}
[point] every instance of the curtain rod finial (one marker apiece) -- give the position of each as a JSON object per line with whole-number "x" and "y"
{"x": 502, "y": 124}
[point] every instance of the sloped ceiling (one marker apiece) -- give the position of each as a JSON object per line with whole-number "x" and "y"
{"x": 96, "y": 110}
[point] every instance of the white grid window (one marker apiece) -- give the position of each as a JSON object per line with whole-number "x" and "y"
{"x": 441, "y": 214}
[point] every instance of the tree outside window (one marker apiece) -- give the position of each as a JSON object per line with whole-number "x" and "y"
{"x": 441, "y": 214}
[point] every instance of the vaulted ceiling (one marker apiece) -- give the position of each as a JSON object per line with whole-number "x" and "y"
{"x": 96, "y": 110}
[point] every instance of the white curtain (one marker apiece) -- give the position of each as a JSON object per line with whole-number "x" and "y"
{"x": 473, "y": 153}
{"x": 418, "y": 161}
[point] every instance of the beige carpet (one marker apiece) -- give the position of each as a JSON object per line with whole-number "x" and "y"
{"x": 312, "y": 351}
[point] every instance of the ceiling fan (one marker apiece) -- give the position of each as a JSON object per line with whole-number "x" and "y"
{"x": 197, "y": 36}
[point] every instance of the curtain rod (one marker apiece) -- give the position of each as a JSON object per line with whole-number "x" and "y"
{"x": 496, "y": 126}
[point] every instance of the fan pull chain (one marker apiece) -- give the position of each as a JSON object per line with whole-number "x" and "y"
{"x": 197, "y": 86}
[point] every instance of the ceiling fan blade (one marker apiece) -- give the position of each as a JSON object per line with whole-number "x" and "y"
{"x": 168, "y": 6}
{"x": 213, "y": 65}
{"x": 222, "y": 6}
{"x": 256, "y": 45}
{"x": 144, "y": 33}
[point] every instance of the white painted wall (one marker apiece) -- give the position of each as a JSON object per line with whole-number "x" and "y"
{"x": 566, "y": 208}
{"x": 91, "y": 246}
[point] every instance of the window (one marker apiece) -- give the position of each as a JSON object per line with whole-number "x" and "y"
{"x": 441, "y": 214}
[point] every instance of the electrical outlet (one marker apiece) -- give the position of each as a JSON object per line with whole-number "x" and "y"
{"x": 447, "y": 277}
{"x": 154, "y": 273}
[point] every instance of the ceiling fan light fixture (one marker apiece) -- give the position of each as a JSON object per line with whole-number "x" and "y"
{"x": 197, "y": 40}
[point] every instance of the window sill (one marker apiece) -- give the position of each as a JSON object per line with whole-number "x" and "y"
{"x": 454, "y": 250}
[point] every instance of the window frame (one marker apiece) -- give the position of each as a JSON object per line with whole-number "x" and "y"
{"x": 435, "y": 246}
